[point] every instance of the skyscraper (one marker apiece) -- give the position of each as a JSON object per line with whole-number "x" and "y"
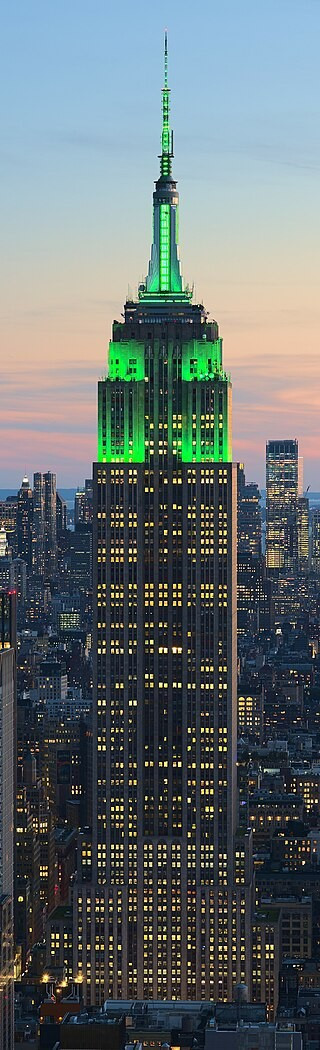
{"x": 166, "y": 909}
{"x": 25, "y": 522}
{"x": 303, "y": 532}
{"x": 44, "y": 523}
{"x": 283, "y": 486}
{"x": 254, "y": 589}
{"x": 6, "y": 564}
{"x": 315, "y": 549}
{"x": 83, "y": 503}
{"x": 8, "y": 521}
{"x": 50, "y": 523}
{"x": 38, "y": 523}
{"x": 249, "y": 516}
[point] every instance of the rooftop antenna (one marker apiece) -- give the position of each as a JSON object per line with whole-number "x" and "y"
{"x": 167, "y": 136}
{"x": 166, "y": 58}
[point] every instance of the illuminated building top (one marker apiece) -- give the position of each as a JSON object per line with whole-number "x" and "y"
{"x": 165, "y": 332}
{"x": 164, "y": 275}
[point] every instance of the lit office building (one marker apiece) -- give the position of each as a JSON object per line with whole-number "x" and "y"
{"x": 25, "y": 522}
{"x": 83, "y": 504}
{"x": 249, "y": 516}
{"x": 167, "y": 914}
{"x": 303, "y": 533}
{"x": 315, "y": 541}
{"x": 282, "y": 480}
{"x": 50, "y": 523}
{"x": 8, "y": 522}
{"x": 45, "y": 523}
{"x": 38, "y": 524}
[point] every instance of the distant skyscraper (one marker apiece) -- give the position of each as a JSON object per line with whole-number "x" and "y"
{"x": 7, "y": 790}
{"x": 6, "y": 565}
{"x": 249, "y": 516}
{"x": 50, "y": 523}
{"x": 44, "y": 523}
{"x": 167, "y": 914}
{"x": 20, "y": 587}
{"x": 8, "y": 520}
{"x": 3, "y": 543}
{"x": 254, "y": 589}
{"x": 83, "y": 503}
{"x": 303, "y": 532}
{"x": 315, "y": 549}
{"x": 283, "y": 488}
{"x": 38, "y": 523}
{"x": 80, "y": 553}
{"x": 61, "y": 515}
{"x": 25, "y": 522}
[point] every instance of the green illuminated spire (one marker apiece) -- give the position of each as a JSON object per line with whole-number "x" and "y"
{"x": 164, "y": 276}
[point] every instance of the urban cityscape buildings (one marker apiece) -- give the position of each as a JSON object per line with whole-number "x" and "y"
{"x": 166, "y": 733}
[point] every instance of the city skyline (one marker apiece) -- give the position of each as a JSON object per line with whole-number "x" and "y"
{"x": 71, "y": 131}
{"x": 160, "y": 663}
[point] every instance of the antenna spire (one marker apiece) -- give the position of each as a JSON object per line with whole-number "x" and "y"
{"x": 164, "y": 279}
{"x": 165, "y": 58}
{"x": 167, "y": 137}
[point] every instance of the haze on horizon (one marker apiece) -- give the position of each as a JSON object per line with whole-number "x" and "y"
{"x": 79, "y": 149}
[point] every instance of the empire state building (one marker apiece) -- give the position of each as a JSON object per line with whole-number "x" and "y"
{"x": 163, "y": 899}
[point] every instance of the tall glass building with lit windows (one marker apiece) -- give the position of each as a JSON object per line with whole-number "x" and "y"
{"x": 283, "y": 487}
{"x": 163, "y": 901}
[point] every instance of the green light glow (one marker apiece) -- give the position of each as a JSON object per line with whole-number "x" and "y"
{"x": 121, "y": 405}
{"x": 201, "y": 359}
{"x": 126, "y": 360}
{"x": 206, "y": 421}
{"x": 164, "y": 248}
{"x": 206, "y": 404}
{"x": 204, "y": 433}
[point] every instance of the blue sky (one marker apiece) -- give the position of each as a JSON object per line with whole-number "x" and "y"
{"x": 81, "y": 100}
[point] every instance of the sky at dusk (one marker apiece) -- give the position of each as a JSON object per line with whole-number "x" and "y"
{"x": 81, "y": 116}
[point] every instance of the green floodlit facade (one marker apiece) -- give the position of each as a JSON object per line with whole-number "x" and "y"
{"x": 197, "y": 385}
{"x": 165, "y": 912}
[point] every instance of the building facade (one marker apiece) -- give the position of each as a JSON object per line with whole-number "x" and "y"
{"x": 44, "y": 523}
{"x": 287, "y": 524}
{"x": 25, "y": 522}
{"x": 38, "y": 523}
{"x": 166, "y": 913}
{"x": 50, "y": 523}
{"x": 249, "y": 516}
{"x": 315, "y": 540}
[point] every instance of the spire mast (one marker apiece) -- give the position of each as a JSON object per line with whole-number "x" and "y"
{"x": 165, "y": 60}
{"x": 166, "y": 138}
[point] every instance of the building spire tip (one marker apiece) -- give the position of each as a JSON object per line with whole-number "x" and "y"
{"x": 166, "y": 58}
{"x": 166, "y": 139}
